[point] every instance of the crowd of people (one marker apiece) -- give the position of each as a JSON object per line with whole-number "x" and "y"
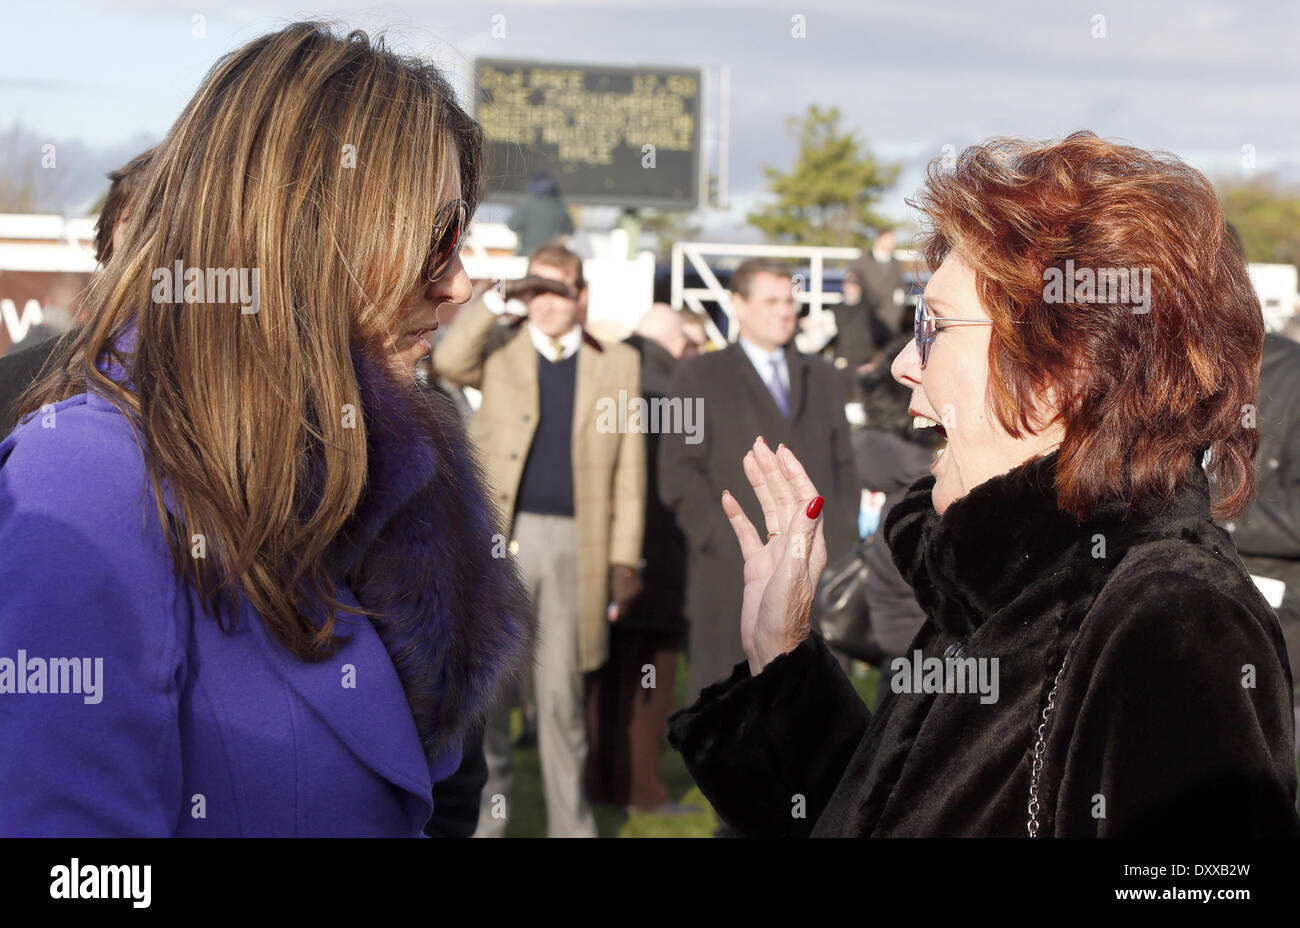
{"x": 326, "y": 547}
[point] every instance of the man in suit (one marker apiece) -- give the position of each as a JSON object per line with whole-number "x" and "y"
{"x": 570, "y": 490}
{"x": 758, "y": 385}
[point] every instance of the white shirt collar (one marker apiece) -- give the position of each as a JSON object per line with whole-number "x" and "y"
{"x": 762, "y": 360}
{"x": 570, "y": 341}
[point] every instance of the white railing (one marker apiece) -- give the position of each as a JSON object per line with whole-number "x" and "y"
{"x": 47, "y": 227}
{"x": 808, "y": 291}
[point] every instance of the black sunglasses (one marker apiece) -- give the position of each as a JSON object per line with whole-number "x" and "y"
{"x": 448, "y": 236}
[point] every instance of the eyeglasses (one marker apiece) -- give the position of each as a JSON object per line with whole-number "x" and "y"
{"x": 927, "y": 326}
{"x": 448, "y": 236}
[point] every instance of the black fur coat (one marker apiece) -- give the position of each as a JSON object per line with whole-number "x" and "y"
{"x": 1172, "y": 715}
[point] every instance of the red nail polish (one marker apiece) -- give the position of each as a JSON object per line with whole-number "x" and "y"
{"x": 815, "y": 507}
{"x": 762, "y": 439}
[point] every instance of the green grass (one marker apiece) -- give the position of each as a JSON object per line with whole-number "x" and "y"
{"x": 528, "y": 808}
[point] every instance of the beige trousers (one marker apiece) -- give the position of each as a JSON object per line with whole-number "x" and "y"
{"x": 548, "y": 562}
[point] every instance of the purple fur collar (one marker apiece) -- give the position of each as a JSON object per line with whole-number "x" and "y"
{"x": 419, "y": 549}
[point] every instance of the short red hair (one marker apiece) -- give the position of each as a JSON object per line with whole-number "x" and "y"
{"x": 1141, "y": 394}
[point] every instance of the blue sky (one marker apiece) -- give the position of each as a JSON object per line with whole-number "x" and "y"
{"x": 1202, "y": 79}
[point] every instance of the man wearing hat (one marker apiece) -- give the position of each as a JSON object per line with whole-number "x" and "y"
{"x": 571, "y": 493}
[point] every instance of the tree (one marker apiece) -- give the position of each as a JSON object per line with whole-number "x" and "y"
{"x": 827, "y": 197}
{"x": 1265, "y": 211}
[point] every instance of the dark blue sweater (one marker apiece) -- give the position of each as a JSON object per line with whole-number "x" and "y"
{"x": 547, "y": 482}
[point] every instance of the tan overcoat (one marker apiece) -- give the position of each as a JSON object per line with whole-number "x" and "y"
{"x": 608, "y": 465}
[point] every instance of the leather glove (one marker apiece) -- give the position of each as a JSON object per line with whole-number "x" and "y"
{"x": 624, "y": 585}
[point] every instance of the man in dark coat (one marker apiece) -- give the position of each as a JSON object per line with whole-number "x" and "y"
{"x": 759, "y": 385}
{"x": 1268, "y": 533}
{"x": 880, "y": 308}
{"x": 627, "y": 710}
{"x": 18, "y": 369}
{"x": 856, "y": 337}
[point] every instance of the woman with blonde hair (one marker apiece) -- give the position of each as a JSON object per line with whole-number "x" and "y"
{"x": 247, "y": 584}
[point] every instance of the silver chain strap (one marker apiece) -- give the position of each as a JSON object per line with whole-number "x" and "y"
{"x": 1039, "y": 749}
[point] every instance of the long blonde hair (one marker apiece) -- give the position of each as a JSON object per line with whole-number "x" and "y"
{"x": 321, "y": 162}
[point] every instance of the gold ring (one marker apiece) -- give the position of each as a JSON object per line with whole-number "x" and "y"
{"x": 771, "y": 535}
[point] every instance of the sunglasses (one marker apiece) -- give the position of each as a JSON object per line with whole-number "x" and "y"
{"x": 927, "y": 326}
{"x": 448, "y": 236}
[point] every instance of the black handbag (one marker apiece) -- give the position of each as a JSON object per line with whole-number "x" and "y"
{"x": 840, "y": 608}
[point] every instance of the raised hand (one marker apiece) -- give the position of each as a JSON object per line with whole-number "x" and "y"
{"x": 781, "y": 574}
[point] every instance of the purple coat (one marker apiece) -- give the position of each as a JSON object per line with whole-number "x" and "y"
{"x": 175, "y": 727}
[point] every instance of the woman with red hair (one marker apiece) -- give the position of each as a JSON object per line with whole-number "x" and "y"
{"x": 1095, "y": 661}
